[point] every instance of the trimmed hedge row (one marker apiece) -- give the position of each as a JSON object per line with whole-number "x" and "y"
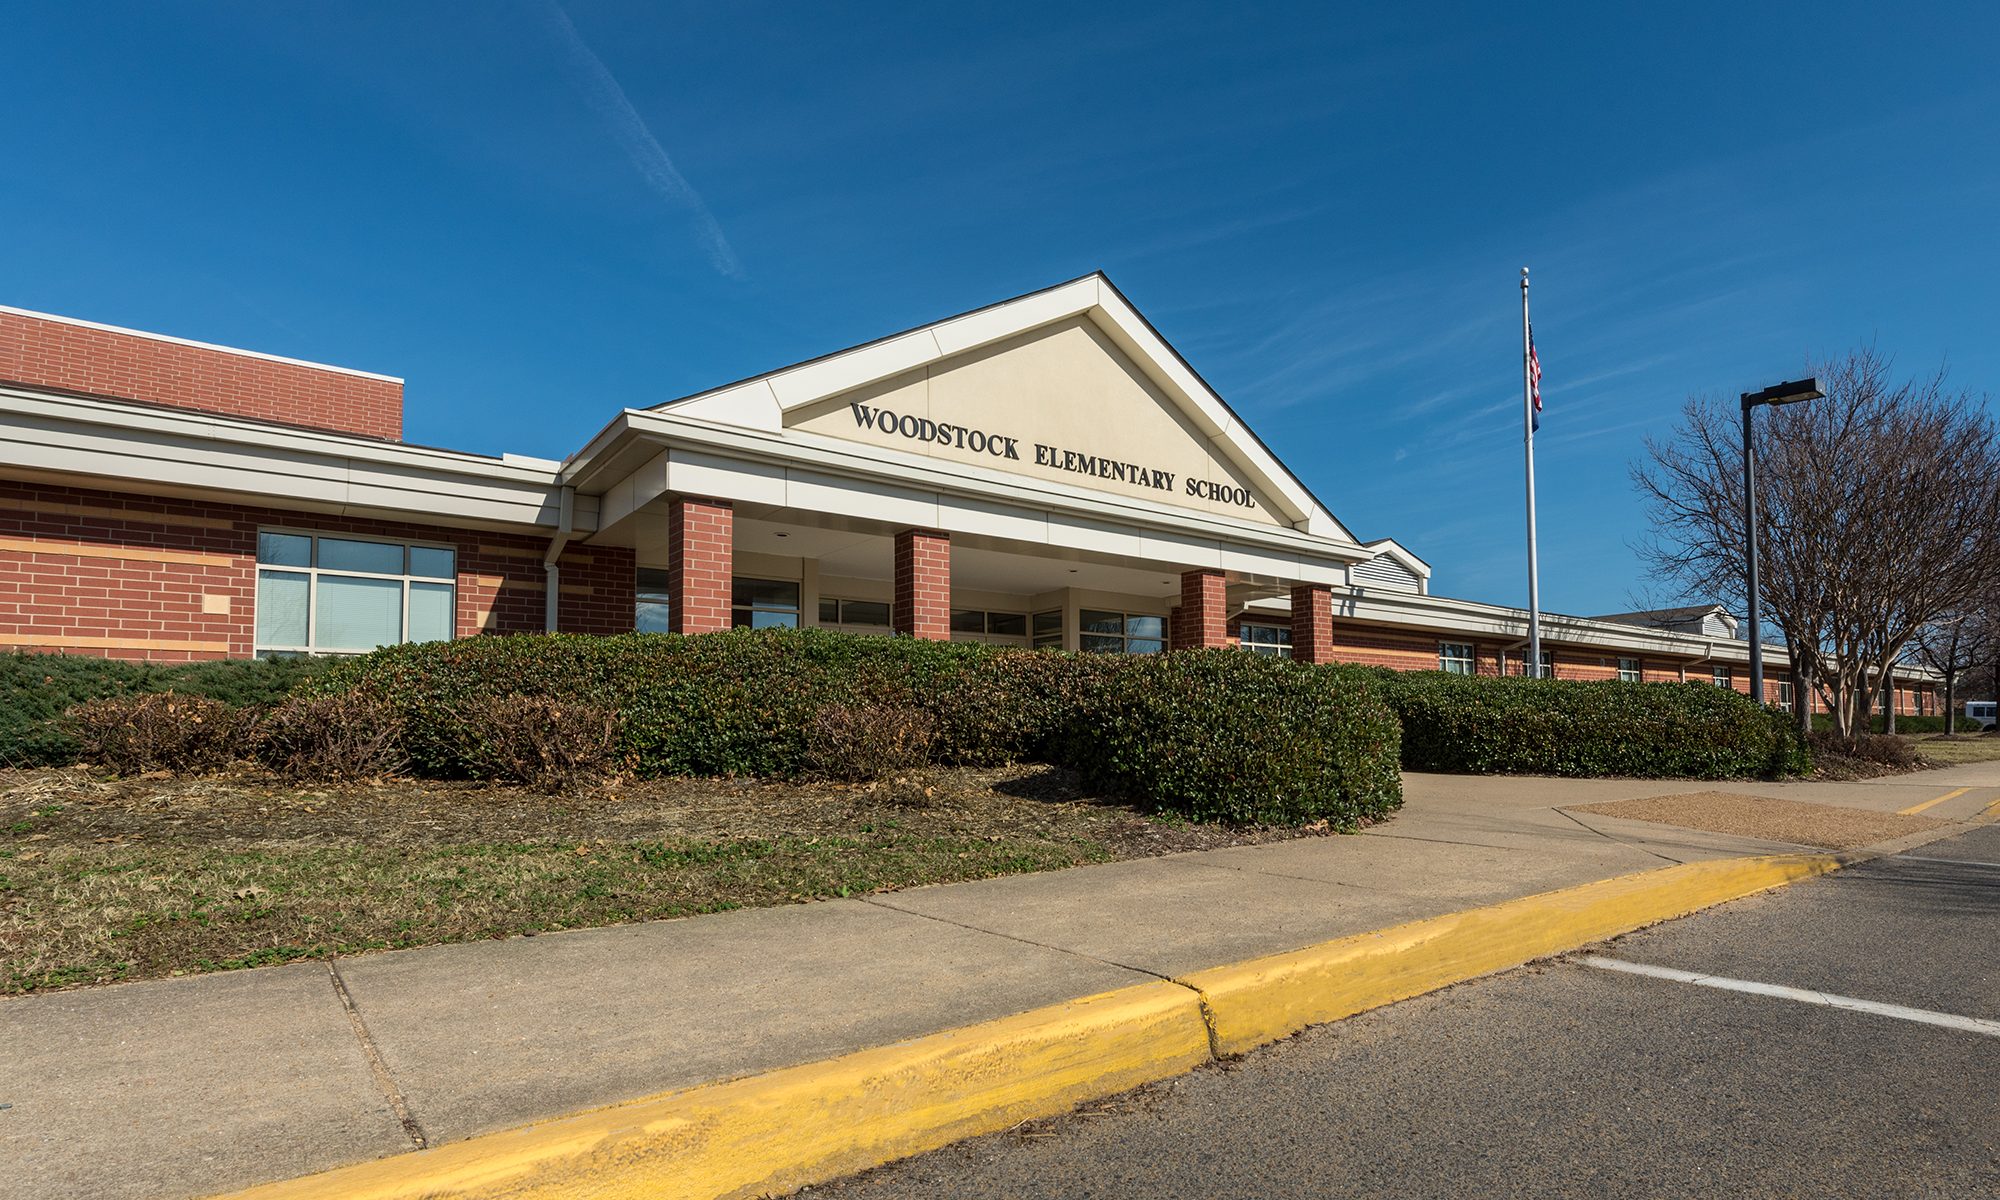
{"x": 1210, "y": 734}
{"x": 37, "y": 689}
{"x": 1481, "y": 725}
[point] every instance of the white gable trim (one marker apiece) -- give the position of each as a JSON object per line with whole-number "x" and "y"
{"x": 762, "y": 403}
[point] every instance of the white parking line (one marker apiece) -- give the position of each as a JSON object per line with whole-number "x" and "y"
{"x": 1956, "y": 862}
{"x": 1923, "y": 1015}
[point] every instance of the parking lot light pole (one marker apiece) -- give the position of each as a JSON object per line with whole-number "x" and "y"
{"x": 1776, "y": 394}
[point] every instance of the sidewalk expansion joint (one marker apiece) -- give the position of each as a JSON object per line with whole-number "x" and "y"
{"x": 1581, "y": 824}
{"x": 377, "y": 1068}
{"x": 910, "y": 912}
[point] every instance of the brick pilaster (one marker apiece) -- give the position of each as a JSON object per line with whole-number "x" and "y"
{"x": 1203, "y": 616}
{"x": 1312, "y": 623}
{"x": 923, "y": 585}
{"x": 700, "y": 546}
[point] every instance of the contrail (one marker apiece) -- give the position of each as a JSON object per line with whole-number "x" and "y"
{"x": 604, "y": 95}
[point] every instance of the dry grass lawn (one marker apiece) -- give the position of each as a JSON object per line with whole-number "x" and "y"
{"x": 105, "y": 879}
{"x": 1957, "y": 749}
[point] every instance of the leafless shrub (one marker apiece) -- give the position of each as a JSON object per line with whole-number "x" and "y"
{"x": 549, "y": 745}
{"x": 1886, "y": 749}
{"x": 868, "y": 741}
{"x": 157, "y": 731}
{"x": 345, "y": 736}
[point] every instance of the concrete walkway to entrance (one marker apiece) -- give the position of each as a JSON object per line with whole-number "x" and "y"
{"x": 190, "y": 1087}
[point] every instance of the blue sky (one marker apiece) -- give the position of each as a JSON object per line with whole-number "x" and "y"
{"x": 539, "y": 215}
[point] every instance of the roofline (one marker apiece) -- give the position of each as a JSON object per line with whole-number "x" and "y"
{"x": 180, "y": 341}
{"x": 889, "y": 337}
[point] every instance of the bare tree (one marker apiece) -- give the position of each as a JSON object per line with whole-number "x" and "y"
{"x": 1953, "y": 645}
{"x": 1876, "y": 518}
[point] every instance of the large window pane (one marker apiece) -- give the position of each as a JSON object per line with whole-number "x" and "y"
{"x": 760, "y": 618}
{"x": 1144, "y": 646}
{"x": 1092, "y": 621}
{"x": 968, "y": 620}
{"x": 284, "y": 549}
{"x": 1145, "y": 627}
{"x": 283, "y": 600}
{"x": 431, "y": 563}
{"x": 359, "y": 614}
{"x": 651, "y": 617}
{"x": 340, "y": 554}
{"x": 1047, "y": 623}
{"x": 1007, "y": 624}
{"x": 431, "y": 612}
{"x": 1097, "y": 643}
{"x": 765, "y": 593}
{"x": 864, "y": 612}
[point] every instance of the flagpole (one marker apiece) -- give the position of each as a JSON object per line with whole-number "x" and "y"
{"x": 1528, "y": 442}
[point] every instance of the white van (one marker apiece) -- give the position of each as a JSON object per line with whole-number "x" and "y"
{"x": 1982, "y": 713}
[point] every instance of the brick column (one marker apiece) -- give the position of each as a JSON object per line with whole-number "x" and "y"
{"x": 923, "y": 585}
{"x": 700, "y": 547}
{"x": 1312, "y": 623}
{"x": 1203, "y": 616}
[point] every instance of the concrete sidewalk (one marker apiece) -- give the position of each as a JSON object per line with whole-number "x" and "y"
{"x": 195, "y": 1086}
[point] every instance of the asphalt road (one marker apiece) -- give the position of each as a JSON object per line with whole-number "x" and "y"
{"x": 1564, "y": 1079}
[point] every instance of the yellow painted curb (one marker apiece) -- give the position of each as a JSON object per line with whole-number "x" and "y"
{"x": 1254, "y": 1003}
{"x": 781, "y": 1130}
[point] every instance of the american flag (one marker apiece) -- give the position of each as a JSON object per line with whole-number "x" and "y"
{"x": 1534, "y": 384}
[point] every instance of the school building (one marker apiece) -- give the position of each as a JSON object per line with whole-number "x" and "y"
{"x": 1045, "y": 471}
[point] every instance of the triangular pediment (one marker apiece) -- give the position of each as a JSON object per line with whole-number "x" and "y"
{"x": 1067, "y": 386}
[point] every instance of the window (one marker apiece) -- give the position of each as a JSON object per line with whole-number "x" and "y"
{"x": 1258, "y": 638}
{"x": 1517, "y": 664}
{"x": 1455, "y": 657}
{"x": 1719, "y": 676}
{"x": 1785, "y": 694}
{"x": 764, "y": 604}
{"x": 650, "y": 614}
{"x": 1629, "y": 671}
{"x": 999, "y": 628}
{"x": 347, "y": 595}
{"x": 1048, "y": 627}
{"x": 1121, "y": 633}
{"x": 856, "y": 616}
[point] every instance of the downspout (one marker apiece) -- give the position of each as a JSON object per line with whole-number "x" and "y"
{"x": 552, "y": 589}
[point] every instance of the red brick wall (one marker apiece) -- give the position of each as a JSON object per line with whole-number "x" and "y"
{"x": 1202, "y": 618}
{"x": 40, "y": 352}
{"x": 922, "y": 605}
{"x": 701, "y": 555}
{"x": 1312, "y": 623}
{"x": 94, "y": 572}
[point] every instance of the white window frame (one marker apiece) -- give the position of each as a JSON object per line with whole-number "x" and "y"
{"x": 315, "y": 572}
{"x": 1277, "y": 647}
{"x": 1785, "y": 694}
{"x": 1124, "y": 635}
{"x": 1636, "y": 673}
{"x": 1450, "y": 663}
{"x": 859, "y": 628}
{"x": 1722, "y": 676}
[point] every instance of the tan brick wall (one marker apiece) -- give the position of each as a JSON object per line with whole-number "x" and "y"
{"x": 922, "y": 605}
{"x": 95, "y": 572}
{"x": 39, "y": 352}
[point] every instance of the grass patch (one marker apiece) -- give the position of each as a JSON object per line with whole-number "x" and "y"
{"x": 104, "y": 880}
{"x": 1957, "y": 749}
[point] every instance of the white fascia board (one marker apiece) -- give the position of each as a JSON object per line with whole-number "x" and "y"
{"x": 753, "y": 404}
{"x": 852, "y": 369}
{"x": 1511, "y": 624}
{"x": 870, "y": 467}
{"x": 1205, "y": 409}
{"x": 1016, "y": 317}
{"x": 142, "y": 444}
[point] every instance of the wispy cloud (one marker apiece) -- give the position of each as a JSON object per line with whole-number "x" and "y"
{"x": 604, "y": 95}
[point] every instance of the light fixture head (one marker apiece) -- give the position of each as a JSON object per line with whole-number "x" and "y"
{"x": 1790, "y": 392}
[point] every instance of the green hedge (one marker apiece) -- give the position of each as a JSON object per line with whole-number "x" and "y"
{"x": 1905, "y": 723}
{"x": 1224, "y": 735}
{"x": 1237, "y": 737}
{"x": 36, "y": 689}
{"x": 1481, "y": 725}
